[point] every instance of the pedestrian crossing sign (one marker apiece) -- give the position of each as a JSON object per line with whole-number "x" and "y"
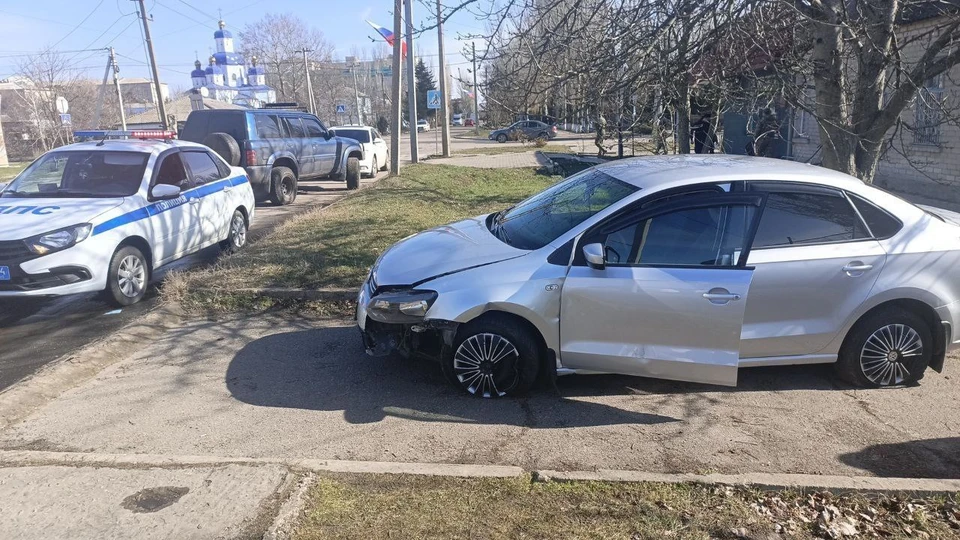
{"x": 433, "y": 99}
{"x": 341, "y": 109}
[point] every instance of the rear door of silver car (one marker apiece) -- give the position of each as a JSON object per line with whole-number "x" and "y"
{"x": 815, "y": 262}
{"x": 669, "y": 302}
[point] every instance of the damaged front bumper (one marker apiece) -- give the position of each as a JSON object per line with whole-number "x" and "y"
{"x": 393, "y": 321}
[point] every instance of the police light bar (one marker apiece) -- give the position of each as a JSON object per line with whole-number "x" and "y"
{"x": 119, "y": 134}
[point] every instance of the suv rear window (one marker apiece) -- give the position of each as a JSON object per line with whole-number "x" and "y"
{"x": 202, "y": 123}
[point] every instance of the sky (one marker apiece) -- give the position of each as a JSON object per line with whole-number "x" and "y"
{"x": 183, "y": 29}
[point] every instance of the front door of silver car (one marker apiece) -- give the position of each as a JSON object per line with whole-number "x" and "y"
{"x": 816, "y": 263}
{"x": 661, "y": 291}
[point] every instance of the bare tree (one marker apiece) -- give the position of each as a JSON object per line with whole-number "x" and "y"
{"x": 275, "y": 39}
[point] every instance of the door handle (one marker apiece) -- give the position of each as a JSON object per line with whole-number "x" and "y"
{"x": 856, "y": 268}
{"x": 721, "y": 296}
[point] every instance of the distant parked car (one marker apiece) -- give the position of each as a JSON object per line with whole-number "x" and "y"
{"x": 278, "y": 148}
{"x": 376, "y": 155}
{"x": 423, "y": 125}
{"x": 457, "y": 120}
{"x": 529, "y": 129}
{"x": 469, "y": 122}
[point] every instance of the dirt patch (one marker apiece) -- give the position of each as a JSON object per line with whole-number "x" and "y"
{"x": 153, "y": 499}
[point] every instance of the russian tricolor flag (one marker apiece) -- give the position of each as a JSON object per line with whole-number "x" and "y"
{"x": 388, "y": 36}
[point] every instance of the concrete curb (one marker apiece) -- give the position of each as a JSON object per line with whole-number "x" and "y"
{"x": 804, "y": 482}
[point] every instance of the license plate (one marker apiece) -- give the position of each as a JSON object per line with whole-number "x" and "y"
{"x": 4, "y": 273}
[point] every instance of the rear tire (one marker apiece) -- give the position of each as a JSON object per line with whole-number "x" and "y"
{"x": 891, "y": 347}
{"x": 353, "y": 173}
{"x": 283, "y": 186}
{"x": 493, "y": 357}
{"x": 386, "y": 164}
{"x": 127, "y": 277}
{"x": 225, "y": 145}
{"x": 237, "y": 235}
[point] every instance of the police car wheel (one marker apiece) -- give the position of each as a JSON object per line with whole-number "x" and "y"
{"x": 283, "y": 189}
{"x": 128, "y": 278}
{"x": 237, "y": 237}
{"x": 374, "y": 167}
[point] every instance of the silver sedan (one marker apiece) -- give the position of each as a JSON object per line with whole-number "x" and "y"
{"x": 676, "y": 267}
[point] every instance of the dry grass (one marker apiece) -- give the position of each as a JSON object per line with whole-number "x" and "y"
{"x": 334, "y": 247}
{"x": 369, "y": 506}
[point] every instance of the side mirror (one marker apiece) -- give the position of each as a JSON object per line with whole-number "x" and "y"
{"x": 165, "y": 191}
{"x": 327, "y": 135}
{"x": 593, "y": 253}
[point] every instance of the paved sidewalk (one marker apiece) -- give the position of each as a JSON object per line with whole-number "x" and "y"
{"x": 230, "y": 501}
{"x": 270, "y": 387}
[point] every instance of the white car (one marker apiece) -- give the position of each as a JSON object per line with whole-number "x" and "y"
{"x": 458, "y": 120}
{"x": 376, "y": 153}
{"x": 423, "y": 125}
{"x": 103, "y": 215}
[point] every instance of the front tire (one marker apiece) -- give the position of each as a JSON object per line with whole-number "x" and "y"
{"x": 374, "y": 167}
{"x": 891, "y": 347}
{"x": 237, "y": 235}
{"x": 128, "y": 277}
{"x": 493, "y": 358}
{"x": 501, "y": 138}
{"x": 353, "y": 173}
{"x": 283, "y": 186}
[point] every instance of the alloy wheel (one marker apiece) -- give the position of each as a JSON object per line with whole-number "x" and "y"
{"x": 238, "y": 231}
{"x": 131, "y": 276}
{"x": 485, "y": 364}
{"x": 883, "y": 356}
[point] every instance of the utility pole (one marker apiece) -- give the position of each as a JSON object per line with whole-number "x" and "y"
{"x": 396, "y": 116}
{"x": 476, "y": 107}
{"x": 444, "y": 98}
{"x": 411, "y": 86}
{"x": 306, "y": 70}
{"x": 356, "y": 94}
{"x": 116, "y": 84}
{"x": 153, "y": 67}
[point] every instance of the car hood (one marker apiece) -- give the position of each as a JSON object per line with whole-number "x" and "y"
{"x": 441, "y": 251}
{"x": 25, "y": 217}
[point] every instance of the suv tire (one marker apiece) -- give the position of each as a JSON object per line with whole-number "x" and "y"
{"x": 225, "y": 145}
{"x": 283, "y": 186}
{"x": 353, "y": 173}
{"x": 129, "y": 288}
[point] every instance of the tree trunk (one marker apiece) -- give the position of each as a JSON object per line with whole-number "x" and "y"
{"x": 683, "y": 118}
{"x": 838, "y": 142}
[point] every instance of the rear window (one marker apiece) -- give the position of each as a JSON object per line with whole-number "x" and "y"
{"x": 881, "y": 224}
{"x": 361, "y": 135}
{"x": 807, "y": 218}
{"x": 202, "y": 123}
{"x": 202, "y": 166}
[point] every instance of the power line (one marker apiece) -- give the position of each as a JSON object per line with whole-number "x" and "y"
{"x": 94, "y": 10}
{"x": 207, "y": 15}
{"x": 180, "y": 13}
{"x": 251, "y": 4}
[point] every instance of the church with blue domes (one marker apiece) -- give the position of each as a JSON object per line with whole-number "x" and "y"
{"x": 227, "y": 77}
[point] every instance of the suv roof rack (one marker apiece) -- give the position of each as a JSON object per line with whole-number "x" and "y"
{"x": 289, "y": 105}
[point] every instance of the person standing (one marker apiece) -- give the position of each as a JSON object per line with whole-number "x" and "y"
{"x": 768, "y": 131}
{"x": 601, "y": 135}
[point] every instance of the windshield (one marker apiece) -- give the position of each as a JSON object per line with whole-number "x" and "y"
{"x": 80, "y": 173}
{"x": 541, "y": 219}
{"x": 361, "y": 135}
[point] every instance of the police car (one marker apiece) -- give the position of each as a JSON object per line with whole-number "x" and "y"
{"x": 103, "y": 215}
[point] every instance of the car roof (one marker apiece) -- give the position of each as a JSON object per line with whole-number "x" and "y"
{"x": 131, "y": 145}
{"x": 677, "y": 170}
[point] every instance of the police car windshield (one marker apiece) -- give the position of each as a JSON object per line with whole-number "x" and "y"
{"x": 80, "y": 173}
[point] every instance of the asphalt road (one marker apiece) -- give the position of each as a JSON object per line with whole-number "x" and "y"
{"x": 34, "y": 332}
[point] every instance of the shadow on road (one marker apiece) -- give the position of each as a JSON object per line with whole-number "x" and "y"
{"x": 928, "y": 458}
{"x": 325, "y": 369}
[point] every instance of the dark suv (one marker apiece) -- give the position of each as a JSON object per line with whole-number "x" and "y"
{"x": 277, "y": 148}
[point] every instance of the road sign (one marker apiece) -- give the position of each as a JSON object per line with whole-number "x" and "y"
{"x": 341, "y": 109}
{"x": 62, "y": 106}
{"x": 433, "y": 99}
{"x": 66, "y": 120}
